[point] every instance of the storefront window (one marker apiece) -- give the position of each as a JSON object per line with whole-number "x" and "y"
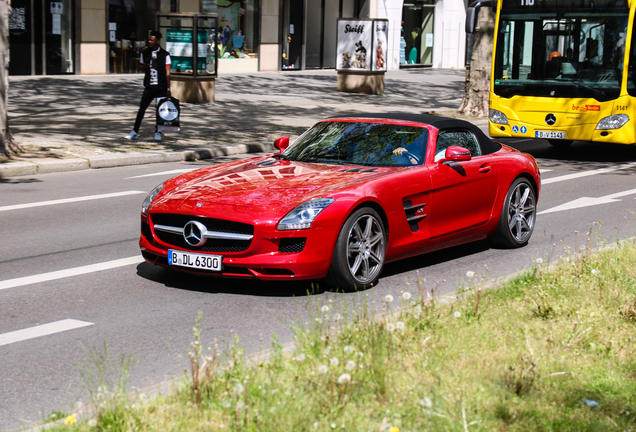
{"x": 130, "y": 22}
{"x": 237, "y": 27}
{"x": 416, "y": 44}
{"x": 42, "y": 37}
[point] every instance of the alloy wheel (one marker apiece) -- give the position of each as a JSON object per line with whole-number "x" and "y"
{"x": 521, "y": 212}
{"x": 365, "y": 248}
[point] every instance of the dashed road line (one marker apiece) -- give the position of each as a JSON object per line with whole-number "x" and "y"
{"x": 587, "y": 173}
{"x": 60, "y": 274}
{"x": 70, "y": 200}
{"x": 42, "y": 330}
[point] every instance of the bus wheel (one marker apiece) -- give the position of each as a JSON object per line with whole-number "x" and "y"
{"x": 560, "y": 143}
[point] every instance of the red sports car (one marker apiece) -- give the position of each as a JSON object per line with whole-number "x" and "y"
{"x": 349, "y": 195}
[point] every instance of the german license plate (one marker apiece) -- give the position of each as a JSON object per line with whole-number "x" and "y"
{"x": 549, "y": 134}
{"x": 194, "y": 260}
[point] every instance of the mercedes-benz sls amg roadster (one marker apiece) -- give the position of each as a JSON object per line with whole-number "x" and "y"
{"x": 346, "y": 197}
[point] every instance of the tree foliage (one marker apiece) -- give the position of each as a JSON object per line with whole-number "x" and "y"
{"x": 475, "y": 102}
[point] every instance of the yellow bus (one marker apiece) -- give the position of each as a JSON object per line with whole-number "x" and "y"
{"x": 562, "y": 70}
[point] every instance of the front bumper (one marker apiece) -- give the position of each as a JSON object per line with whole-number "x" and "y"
{"x": 263, "y": 259}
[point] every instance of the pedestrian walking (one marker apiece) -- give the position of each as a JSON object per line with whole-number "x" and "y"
{"x": 155, "y": 62}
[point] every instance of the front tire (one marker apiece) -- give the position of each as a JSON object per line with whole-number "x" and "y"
{"x": 359, "y": 253}
{"x": 518, "y": 216}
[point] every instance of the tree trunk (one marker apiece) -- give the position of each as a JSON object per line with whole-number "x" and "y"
{"x": 8, "y": 146}
{"x": 477, "y": 86}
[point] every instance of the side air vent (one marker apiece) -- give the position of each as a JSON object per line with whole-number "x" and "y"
{"x": 414, "y": 214}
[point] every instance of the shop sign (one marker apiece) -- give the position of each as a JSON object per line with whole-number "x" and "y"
{"x": 362, "y": 44}
{"x": 57, "y": 7}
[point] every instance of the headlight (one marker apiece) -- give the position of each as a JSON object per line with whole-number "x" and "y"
{"x": 613, "y": 122}
{"x": 151, "y": 196}
{"x": 302, "y": 216}
{"x": 497, "y": 117}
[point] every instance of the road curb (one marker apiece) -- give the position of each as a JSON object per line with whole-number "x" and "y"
{"x": 111, "y": 160}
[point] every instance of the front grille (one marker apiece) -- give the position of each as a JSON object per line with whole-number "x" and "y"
{"x": 292, "y": 245}
{"x": 211, "y": 245}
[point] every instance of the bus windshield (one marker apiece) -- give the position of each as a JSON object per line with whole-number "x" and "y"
{"x": 559, "y": 54}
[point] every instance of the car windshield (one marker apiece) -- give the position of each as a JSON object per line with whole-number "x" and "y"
{"x": 360, "y": 143}
{"x": 561, "y": 54}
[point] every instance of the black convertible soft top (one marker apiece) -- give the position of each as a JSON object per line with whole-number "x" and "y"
{"x": 442, "y": 123}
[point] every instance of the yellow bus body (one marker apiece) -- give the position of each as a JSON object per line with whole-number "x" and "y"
{"x": 576, "y": 117}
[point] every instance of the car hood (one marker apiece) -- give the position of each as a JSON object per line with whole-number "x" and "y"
{"x": 263, "y": 185}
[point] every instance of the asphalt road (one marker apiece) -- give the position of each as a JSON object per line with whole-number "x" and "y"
{"x": 79, "y": 231}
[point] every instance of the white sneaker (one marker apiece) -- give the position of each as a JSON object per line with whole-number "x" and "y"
{"x": 132, "y": 136}
{"x": 157, "y": 136}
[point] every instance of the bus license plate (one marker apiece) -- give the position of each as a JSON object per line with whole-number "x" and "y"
{"x": 193, "y": 260}
{"x": 549, "y": 134}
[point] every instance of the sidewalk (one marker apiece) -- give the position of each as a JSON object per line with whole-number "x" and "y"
{"x": 75, "y": 122}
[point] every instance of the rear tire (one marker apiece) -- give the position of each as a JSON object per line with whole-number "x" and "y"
{"x": 358, "y": 257}
{"x": 560, "y": 143}
{"x": 518, "y": 216}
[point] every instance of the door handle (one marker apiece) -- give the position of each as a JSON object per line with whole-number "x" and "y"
{"x": 484, "y": 169}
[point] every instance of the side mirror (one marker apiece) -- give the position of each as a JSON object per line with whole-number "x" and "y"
{"x": 472, "y": 14}
{"x": 282, "y": 143}
{"x": 456, "y": 154}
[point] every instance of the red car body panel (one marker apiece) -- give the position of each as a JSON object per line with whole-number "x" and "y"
{"x": 457, "y": 202}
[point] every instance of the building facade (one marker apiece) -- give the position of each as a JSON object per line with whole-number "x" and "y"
{"x": 105, "y": 36}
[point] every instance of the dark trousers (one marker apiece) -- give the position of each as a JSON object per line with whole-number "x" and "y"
{"x": 149, "y": 94}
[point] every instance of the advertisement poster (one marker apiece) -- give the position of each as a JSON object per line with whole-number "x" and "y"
{"x": 179, "y": 45}
{"x": 380, "y": 44}
{"x": 362, "y": 44}
{"x": 354, "y": 45}
{"x": 230, "y": 13}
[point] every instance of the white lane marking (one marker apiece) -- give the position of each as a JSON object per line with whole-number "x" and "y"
{"x": 587, "y": 201}
{"x": 545, "y": 170}
{"x": 70, "y": 200}
{"x": 586, "y": 173}
{"x": 42, "y": 330}
{"x": 60, "y": 274}
{"x": 177, "y": 171}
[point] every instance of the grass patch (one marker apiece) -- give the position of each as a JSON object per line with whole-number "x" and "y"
{"x": 551, "y": 350}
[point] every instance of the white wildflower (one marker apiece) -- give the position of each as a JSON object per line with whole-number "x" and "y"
{"x": 301, "y": 357}
{"x": 240, "y": 405}
{"x": 348, "y": 349}
{"x": 388, "y": 298}
{"x": 426, "y": 402}
{"x": 457, "y": 314}
{"x": 399, "y": 325}
{"x": 323, "y": 369}
{"x": 344, "y": 378}
{"x": 315, "y": 425}
{"x": 238, "y": 389}
{"x": 324, "y": 309}
{"x": 539, "y": 261}
{"x": 92, "y": 423}
{"x": 226, "y": 403}
{"x": 351, "y": 365}
{"x": 406, "y": 295}
{"x": 593, "y": 271}
{"x": 470, "y": 274}
{"x": 334, "y": 361}
{"x": 390, "y": 327}
{"x": 326, "y": 351}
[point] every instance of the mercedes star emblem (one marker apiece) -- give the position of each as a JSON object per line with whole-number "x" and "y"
{"x": 193, "y": 233}
{"x": 550, "y": 119}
